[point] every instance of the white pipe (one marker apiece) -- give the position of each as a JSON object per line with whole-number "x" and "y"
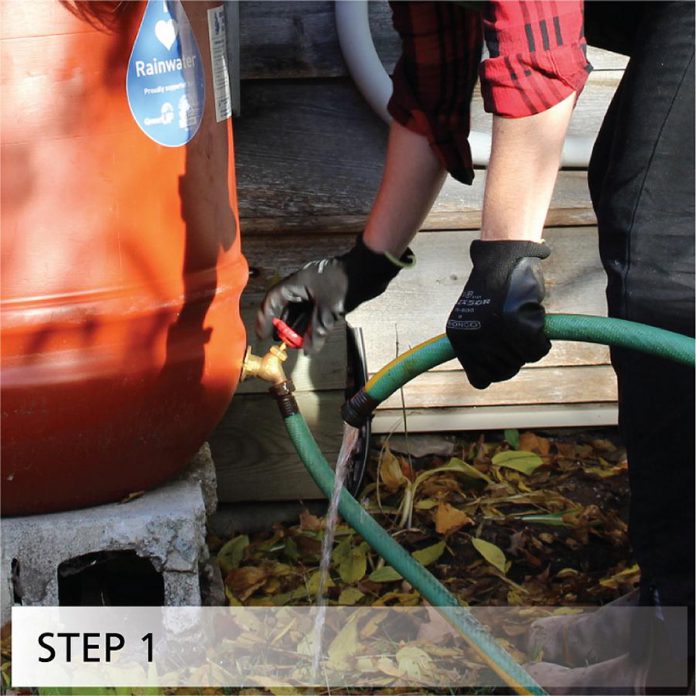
{"x": 366, "y": 69}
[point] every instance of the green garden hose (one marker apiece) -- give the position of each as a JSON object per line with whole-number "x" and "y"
{"x": 564, "y": 327}
{"x": 476, "y": 635}
{"x": 612, "y": 332}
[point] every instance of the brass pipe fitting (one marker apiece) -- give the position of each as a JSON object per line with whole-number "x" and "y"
{"x": 268, "y": 368}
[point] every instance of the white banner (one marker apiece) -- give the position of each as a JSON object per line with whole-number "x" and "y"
{"x": 290, "y": 646}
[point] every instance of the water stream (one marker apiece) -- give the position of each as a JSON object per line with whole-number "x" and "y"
{"x": 350, "y": 439}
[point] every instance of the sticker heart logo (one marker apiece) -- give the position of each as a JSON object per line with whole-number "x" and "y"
{"x": 166, "y": 31}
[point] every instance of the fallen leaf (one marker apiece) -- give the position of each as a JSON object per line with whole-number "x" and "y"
{"x": 512, "y": 437}
{"x": 343, "y": 646}
{"x": 384, "y": 574}
{"x": 350, "y": 596}
{"x": 426, "y": 504}
{"x": 272, "y": 586}
{"x": 291, "y": 551}
{"x": 371, "y": 626}
{"x": 243, "y": 581}
{"x": 230, "y": 555}
{"x": 448, "y": 518}
{"x": 342, "y": 551}
{"x": 366, "y": 664}
{"x": 567, "y": 573}
{"x": 414, "y": 662}
{"x": 310, "y": 522}
{"x": 283, "y": 598}
{"x": 231, "y": 599}
{"x": 516, "y": 598}
{"x": 429, "y": 554}
{"x": 492, "y": 554}
{"x": 604, "y": 445}
{"x": 626, "y": 577}
{"x": 390, "y": 472}
{"x": 406, "y": 468}
{"x": 388, "y": 667}
{"x": 353, "y": 567}
{"x": 440, "y": 487}
{"x": 606, "y": 471}
{"x": 402, "y": 599}
{"x": 271, "y": 684}
{"x": 529, "y": 442}
{"x": 584, "y": 451}
{"x": 308, "y": 547}
{"x": 312, "y": 585}
{"x": 525, "y": 462}
{"x": 566, "y": 449}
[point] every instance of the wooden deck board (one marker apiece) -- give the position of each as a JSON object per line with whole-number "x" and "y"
{"x": 531, "y": 386}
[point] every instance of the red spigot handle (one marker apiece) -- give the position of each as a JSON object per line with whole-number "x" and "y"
{"x": 289, "y": 337}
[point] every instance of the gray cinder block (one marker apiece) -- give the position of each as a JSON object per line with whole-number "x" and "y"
{"x": 167, "y": 526}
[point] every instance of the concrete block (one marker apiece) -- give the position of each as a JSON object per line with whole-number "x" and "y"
{"x": 202, "y": 470}
{"x": 5, "y": 595}
{"x": 167, "y": 526}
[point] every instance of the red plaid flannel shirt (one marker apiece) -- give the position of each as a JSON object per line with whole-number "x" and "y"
{"x": 537, "y": 58}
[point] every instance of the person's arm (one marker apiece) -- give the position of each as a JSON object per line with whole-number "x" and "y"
{"x": 524, "y": 163}
{"x": 410, "y": 184}
{"x": 498, "y": 322}
{"x": 326, "y": 289}
{"x": 530, "y": 81}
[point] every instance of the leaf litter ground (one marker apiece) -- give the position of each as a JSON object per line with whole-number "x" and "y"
{"x": 518, "y": 519}
{"x": 521, "y": 519}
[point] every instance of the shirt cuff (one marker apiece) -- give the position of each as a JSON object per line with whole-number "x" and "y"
{"x": 523, "y": 84}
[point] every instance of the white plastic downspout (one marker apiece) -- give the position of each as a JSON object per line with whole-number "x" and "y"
{"x": 366, "y": 69}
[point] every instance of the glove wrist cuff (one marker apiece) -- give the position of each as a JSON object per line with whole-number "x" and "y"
{"x": 362, "y": 260}
{"x": 369, "y": 272}
{"x": 506, "y": 251}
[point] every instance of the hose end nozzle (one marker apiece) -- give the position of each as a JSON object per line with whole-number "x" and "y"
{"x": 358, "y": 409}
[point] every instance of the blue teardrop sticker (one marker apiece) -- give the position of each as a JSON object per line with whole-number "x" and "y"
{"x": 165, "y": 84}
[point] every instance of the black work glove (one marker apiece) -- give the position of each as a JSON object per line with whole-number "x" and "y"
{"x": 497, "y": 324}
{"x": 328, "y": 289}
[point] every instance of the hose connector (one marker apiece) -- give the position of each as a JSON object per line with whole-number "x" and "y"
{"x": 358, "y": 409}
{"x": 282, "y": 393}
{"x": 268, "y": 368}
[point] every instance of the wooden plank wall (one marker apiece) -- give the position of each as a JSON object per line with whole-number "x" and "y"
{"x": 309, "y": 155}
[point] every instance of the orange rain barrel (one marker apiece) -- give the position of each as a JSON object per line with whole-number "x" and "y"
{"x": 121, "y": 265}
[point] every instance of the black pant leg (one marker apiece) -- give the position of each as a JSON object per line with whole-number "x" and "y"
{"x": 642, "y": 185}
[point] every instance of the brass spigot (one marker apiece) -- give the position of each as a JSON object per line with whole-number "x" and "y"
{"x": 268, "y": 368}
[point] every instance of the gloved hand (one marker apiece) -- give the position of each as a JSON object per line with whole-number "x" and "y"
{"x": 497, "y": 324}
{"x": 332, "y": 288}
